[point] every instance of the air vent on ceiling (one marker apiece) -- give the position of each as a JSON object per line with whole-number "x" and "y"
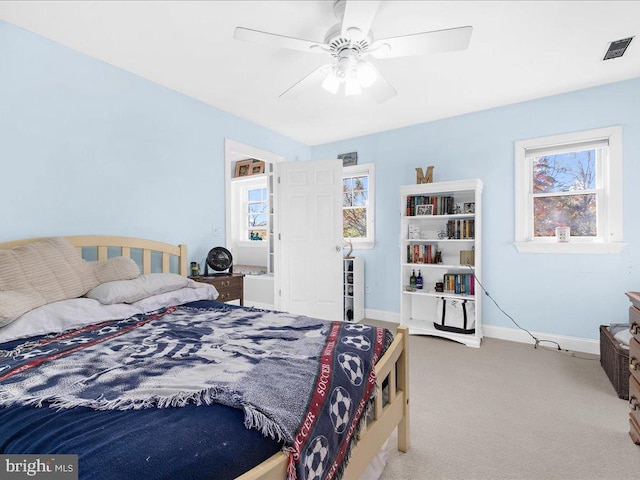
{"x": 617, "y": 48}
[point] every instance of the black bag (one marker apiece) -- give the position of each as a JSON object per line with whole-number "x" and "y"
{"x": 456, "y": 316}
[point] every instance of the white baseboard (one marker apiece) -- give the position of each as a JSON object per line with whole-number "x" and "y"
{"x": 574, "y": 344}
{"x": 382, "y": 315}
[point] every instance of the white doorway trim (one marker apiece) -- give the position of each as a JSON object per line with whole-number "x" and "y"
{"x": 234, "y": 151}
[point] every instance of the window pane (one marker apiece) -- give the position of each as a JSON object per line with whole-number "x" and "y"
{"x": 361, "y": 183}
{"x": 354, "y": 222}
{"x": 360, "y": 198}
{"x": 257, "y": 220}
{"x": 346, "y": 199}
{"x": 255, "y": 195}
{"x": 347, "y": 184}
{"x": 565, "y": 172}
{"x": 258, "y": 234}
{"x": 575, "y": 211}
{"x": 257, "y": 208}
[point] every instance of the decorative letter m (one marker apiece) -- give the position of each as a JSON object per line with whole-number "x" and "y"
{"x": 421, "y": 178}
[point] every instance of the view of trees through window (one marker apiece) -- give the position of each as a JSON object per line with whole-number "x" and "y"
{"x": 355, "y": 200}
{"x": 257, "y": 214}
{"x": 564, "y": 193}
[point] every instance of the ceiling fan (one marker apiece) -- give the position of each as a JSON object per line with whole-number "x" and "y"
{"x": 350, "y": 42}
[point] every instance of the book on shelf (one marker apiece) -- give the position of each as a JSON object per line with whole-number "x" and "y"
{"x": 459, "y": 283}
{"x": 442, "y": 205}
{"x": 421, "y": 253}
{"x": 461, "y": 229}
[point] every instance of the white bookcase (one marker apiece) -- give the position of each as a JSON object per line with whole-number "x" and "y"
{"x": 353, "y": 288}
{"x": 453, "y": 227}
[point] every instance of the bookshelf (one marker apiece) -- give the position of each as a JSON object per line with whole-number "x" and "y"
{"x": 441, "y": 238}
{"x": 353, "y": 288}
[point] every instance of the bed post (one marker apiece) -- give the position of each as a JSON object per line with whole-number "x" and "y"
{"x": 403, "y": 383}
{"x": 182, "y": 268}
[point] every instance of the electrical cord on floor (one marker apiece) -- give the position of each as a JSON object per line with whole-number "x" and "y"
{"x": 537, "y": 340}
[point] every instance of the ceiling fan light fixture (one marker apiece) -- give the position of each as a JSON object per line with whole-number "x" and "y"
{"x": 352, "y": 87}
{"x": 331, "y": 83}
{"x": 366, "y": 74}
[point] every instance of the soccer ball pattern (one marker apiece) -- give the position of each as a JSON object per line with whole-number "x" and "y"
{"x": 353, "y": 367}
{"x": 340, "y": 409}
{"x": 358, "y": 341}
{"x": 315, "y": 458}
{"x": 357, "y": 327}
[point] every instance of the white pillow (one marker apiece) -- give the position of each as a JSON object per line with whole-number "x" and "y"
{"x": 202, "y": 291}
{"x": 78, "y": 312}
{"x": 64, "y": 315}
{"x": 51, "y": 270}
{"x": 129, "y": 291}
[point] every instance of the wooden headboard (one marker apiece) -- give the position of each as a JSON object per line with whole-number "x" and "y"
{"x": 103, "y": 243}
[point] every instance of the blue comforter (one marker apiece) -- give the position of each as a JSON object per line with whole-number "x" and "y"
{"x": 302, "y": 380}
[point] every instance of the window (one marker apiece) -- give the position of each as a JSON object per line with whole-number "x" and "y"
{"x": 257, "y": 210}
{"x": 575, "y": 181}
{"x": 358, "y": 205}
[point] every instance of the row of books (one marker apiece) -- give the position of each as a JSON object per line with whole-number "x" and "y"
{"x": 441, "y": 205}
{"x": 461, "y": 229}
{"x": 423, "y": 254}
{"x": 460, "y": 283}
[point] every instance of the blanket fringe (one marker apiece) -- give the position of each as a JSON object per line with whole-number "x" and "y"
{"x": 204, "y": 397}
{"x": 255, "y": 419}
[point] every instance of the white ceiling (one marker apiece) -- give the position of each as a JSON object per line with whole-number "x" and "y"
{"x": 519, "y": 50}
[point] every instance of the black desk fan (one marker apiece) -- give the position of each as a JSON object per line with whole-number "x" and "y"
{"x": 219, "y": 259}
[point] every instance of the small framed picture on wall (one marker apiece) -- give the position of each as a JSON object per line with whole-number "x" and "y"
{"x": 348, "y": 159}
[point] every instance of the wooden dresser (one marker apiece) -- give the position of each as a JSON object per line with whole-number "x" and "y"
{"x": 634, "y": 367}
{"x": 229, "y": 286}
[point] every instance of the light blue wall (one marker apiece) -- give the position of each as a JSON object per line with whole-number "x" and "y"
{"x": 562, "y": 294}
{"x": 86, "y": 148}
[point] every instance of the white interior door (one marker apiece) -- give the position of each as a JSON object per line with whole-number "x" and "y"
{"x": 310, "y": 227}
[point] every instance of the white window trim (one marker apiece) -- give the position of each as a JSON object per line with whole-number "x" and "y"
{"x": 242, "y": 186}
{"x": 611, "y": 241}
{"x": 370, "y": 170}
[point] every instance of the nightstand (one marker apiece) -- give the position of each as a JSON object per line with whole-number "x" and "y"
{"x": 229, "y": 286}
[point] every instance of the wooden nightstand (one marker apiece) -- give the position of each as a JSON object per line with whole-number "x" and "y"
{"x": 229, "y": 286}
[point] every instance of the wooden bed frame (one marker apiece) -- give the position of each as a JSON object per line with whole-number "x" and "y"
{"x": 390, "y": 410}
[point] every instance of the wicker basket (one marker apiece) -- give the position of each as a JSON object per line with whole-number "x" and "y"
{"x": 615, "y": 361}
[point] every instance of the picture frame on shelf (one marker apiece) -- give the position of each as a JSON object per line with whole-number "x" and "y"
{"x": 243, "y": 168}
{"x": 424, "y": 209}
{"x": 257, "y": 168}
{"x": 469, "y": 207}
{"x": 414, "y": 231}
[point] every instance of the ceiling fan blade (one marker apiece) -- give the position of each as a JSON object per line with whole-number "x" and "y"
{"x": 438, "y": 41}
{"x": 315, "y": 78}
{"x": 358, "y": 17}
{"x": 280, "y": 41}
{"x": 381, "y": 90}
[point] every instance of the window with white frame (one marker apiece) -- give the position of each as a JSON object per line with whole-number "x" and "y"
{"x": 572, "y": 180}
{"x": 257, "y": 213}
{"x": 358, "y": 204}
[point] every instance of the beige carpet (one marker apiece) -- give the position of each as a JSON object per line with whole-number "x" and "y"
{"x": 509, "y": 411}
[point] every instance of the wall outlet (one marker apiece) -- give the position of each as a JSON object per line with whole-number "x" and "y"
{"x": 367, "y": 289}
